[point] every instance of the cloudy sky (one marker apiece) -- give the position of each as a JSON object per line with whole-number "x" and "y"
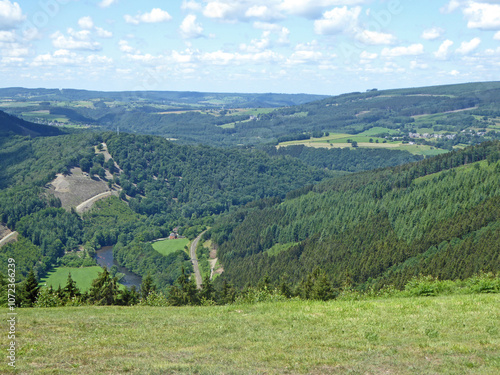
{"x": 286, "y": 46}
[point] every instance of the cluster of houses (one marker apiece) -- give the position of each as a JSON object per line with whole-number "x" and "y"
{"x": 427, "y": 136}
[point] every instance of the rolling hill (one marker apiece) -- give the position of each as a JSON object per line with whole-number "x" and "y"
{"x": 15, "y": 125}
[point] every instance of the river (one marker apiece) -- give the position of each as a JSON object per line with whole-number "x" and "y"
{"x": 105, "y": 259}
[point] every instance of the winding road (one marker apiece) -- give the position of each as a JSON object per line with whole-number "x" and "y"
{"x": 194, "y": 260}
{"x": 8, "y": 238}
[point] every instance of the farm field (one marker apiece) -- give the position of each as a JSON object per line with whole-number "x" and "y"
{"x": 456, "y": 334}
{"x": 83, "y": 277}
{"x": 166, "y": 247}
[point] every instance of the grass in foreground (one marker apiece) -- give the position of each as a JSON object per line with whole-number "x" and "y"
{"x": 456, "y": 334}
{"x": 83, "y": 277}
{"x": 166, "y": 247}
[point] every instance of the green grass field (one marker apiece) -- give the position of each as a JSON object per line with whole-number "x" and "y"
{"x": 83, "y": 277}
{"x": 422, "y": 335}
{"x": 166, "y": 247}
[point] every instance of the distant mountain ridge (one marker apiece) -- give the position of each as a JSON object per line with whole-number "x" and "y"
{"x": 203, "y": 99}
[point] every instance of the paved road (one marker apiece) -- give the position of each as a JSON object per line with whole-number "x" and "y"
{"x": 89, "y": 202}
{"x": 8, "y": 238}
{"x": 194, "y": 260}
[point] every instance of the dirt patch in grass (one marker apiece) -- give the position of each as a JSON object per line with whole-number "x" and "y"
{"x": 76, "y": 188}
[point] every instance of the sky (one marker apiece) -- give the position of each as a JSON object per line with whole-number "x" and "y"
{"x": 324, "y": 47}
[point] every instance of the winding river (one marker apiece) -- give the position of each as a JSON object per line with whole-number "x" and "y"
{"x": 105, "y": 259}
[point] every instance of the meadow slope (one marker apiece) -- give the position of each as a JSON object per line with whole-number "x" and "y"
{"x": 447, "y": 335}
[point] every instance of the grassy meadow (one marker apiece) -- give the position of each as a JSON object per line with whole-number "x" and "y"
{"x": 83, "y": 277}
{"x": 456, "y": 334}
{"x": 166, "y": 247}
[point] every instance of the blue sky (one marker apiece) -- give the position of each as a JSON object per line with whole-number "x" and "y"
{"x": 284, "y": 46}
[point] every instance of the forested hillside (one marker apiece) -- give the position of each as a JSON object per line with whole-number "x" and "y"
{"x": 439, "y": 216}
{"x": 17, "y": 126}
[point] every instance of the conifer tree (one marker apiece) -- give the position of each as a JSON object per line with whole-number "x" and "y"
{"x": 29, "y": 290}
{"x": 71, "y": 290}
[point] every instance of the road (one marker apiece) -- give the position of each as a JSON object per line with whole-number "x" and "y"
{"x": 194, "y": 260}
{"x": 8, "y": 238}
{"x": 89, "y": 202}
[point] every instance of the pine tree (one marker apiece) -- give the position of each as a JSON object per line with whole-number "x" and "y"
{"x": 207, "y": 291}
{"x": 104, "y": 289}
{"x": 147, "y": 286}
{"x": 71, "y": 290}
{"x": 29, "y": 290}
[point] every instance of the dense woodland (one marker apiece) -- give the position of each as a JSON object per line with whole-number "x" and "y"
{"x": 438, "y": 217}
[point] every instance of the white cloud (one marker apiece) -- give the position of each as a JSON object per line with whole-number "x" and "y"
{"x": 11, "y": 15}
{"x": 482, "y": 16}
{"x": 467, "y": 47}
{"x": 156, "y": 15}
{"x": 79, "y": 40}
{"x": 368, "y": 56}
{"x": 86, "y": 23}
{"x": 189, "y": 29}
{"x": 314, "y": 8}
{"x": 101, "y": 33}
{"x": 221, "y": 10}
{"x": 444, "y": 50}
{"x": 191, "y": 6}
{"x": 7, "y": 36}
{"x": 417, "y": 65}
{"x": 337, "y": 20}
{"x": 375, "y": 38}
{"x": 451, "y": 6}
{"x": 125, "y": 47}
{"x": 107, "y": 3}
{"x": 432, "y": 34}
{"x": 266, "y": 41}
{"x": 412, "y": 50}
{"x": 454, "y": 73}
{"x": 497, "y": 36}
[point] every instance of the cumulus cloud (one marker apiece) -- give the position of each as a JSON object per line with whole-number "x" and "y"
{"x": 497, "y": 36}
{"x": 101, "y": 33}
{"x": 482, "y": 16}
{"x": 11, "y": 15}
{"x": 86, "y": 23}
{"x": 444, "y": 50}
{"x": 107, "y": 3}
{"x": 417, "y": 65}
{"x": 467, "y": 47}
{"x": 7, "y": 36}
{"x": 375, "y": 38}
{"x": 368, "y": 56}
{"x": 156, "y": 15}
{"x": 125, "y": 47}
{"x": 189, "y": 28}
{"x": 412, "y": 50}
{"x": 451, "y": 6}
{"x": 432, "y": 34}
{"x": 337, "y": 20}
{"x": 191, "y": 6}
{"x": 79, "y": 40}
{"x": 314, "y": 8}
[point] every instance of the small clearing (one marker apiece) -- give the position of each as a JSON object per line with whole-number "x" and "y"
{"x": 107, "y": 156}
{"x": 77, "y": 187}
{"x": 212, "y": 260}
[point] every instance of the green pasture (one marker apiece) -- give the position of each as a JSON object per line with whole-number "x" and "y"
{"x": 83, "y": 276}
{"x": 166, "y": 247}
